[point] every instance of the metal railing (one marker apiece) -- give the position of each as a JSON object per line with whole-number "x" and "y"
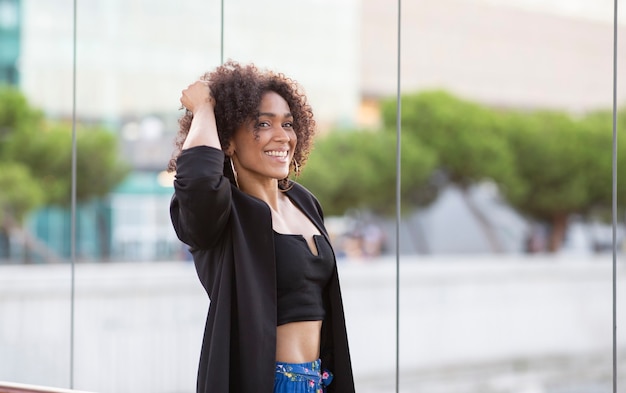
{"x": 11, "y": 387}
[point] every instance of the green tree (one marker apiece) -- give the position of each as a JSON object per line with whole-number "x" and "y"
{"x": 565, "y": 165}
{"x": 16, "y": 115}
{"x": 38, "y": 153}
{"x": 20, "y": 191}
{"x": 599, "y": 125}
{"x": 48, "y": 154}
{"x": 469, "y": 140}
{"x": 357, "y": 170}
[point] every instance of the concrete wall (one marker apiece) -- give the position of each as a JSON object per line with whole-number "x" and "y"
{"x": 138, "y": 327}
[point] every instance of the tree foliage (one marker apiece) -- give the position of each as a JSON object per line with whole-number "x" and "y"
{"x": 49, "y": 155}
{"x": 547, "y": 164}
{"x": 468, "y": 138}
{"x": 16, "y": 115}
{"x": 357, "y": 169}
{"x": 564, "y": 165}
{"x": 599, "y": 125}
{"x": 20, "y": 191}
{"x": 36, "y": 159}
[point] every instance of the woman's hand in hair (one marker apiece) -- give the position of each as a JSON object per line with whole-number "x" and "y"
{"x": 197, "y": 99}
{"x": 197, "y": 96}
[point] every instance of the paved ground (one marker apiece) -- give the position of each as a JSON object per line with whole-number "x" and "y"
{"x": 588, "y": 374}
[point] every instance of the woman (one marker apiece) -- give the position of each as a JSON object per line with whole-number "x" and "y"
{"x": 276, "y": 320}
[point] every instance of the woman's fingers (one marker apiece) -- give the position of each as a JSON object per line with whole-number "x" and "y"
{"x": 195, "y": 95}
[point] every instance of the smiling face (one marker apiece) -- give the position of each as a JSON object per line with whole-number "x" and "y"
{"x": 263, "y": 148}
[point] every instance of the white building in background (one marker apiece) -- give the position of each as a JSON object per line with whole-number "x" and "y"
{"x": 135, "y": 57}
{"x": 514, "y": 53}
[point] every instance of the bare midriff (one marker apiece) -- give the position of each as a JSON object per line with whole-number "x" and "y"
{"x": 298, "y": 342}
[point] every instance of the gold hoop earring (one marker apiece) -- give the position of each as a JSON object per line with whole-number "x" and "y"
{"x": 232, "y": 166}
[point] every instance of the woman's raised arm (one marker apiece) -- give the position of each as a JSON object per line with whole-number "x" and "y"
{"x": 197, "y": 99}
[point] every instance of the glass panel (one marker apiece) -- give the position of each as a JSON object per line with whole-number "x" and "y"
{"x": 485, "y": 309}
{"x": 35, "y": 281}
{"x": 138, "y": 304}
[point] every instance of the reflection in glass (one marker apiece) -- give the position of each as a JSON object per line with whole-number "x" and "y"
{"x": 469, "y": 317}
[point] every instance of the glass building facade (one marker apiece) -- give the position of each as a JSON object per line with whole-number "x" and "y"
{"x": 10, "y": 18}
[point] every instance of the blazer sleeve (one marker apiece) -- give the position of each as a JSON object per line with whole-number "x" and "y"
{"x": 201, "y": 204}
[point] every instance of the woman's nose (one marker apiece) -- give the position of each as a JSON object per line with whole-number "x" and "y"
{"x": 281, "y": 134}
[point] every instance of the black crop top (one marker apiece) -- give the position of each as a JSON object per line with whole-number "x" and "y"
{"x": 301, "y": 277}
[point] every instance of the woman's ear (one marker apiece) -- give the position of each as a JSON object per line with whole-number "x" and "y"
{"x": 230, "y": 150}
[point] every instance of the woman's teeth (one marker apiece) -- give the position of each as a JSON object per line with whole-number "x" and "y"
{"x": 276, "y": 153}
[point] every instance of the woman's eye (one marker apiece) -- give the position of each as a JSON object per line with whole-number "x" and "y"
{"x": 263, "y": 124}
{"x": 288, "y": 125}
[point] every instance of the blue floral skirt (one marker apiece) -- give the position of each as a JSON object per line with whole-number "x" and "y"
{"x": 301, "y": 378}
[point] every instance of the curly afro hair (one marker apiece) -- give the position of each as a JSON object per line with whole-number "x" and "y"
{"x": 237, "y": 90}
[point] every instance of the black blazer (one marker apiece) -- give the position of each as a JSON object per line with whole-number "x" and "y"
{"x": 230, "y": 236}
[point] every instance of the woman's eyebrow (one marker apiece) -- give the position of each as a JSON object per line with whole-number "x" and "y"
{"x": 269, "y": 114}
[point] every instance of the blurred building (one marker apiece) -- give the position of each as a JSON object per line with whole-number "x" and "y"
{"x": 134, "y": 57}
{"x": 9, "y": 41}
{"x": 521, "y": 53}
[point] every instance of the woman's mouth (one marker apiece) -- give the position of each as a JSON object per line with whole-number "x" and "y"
{"x": 281, "y": 154}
